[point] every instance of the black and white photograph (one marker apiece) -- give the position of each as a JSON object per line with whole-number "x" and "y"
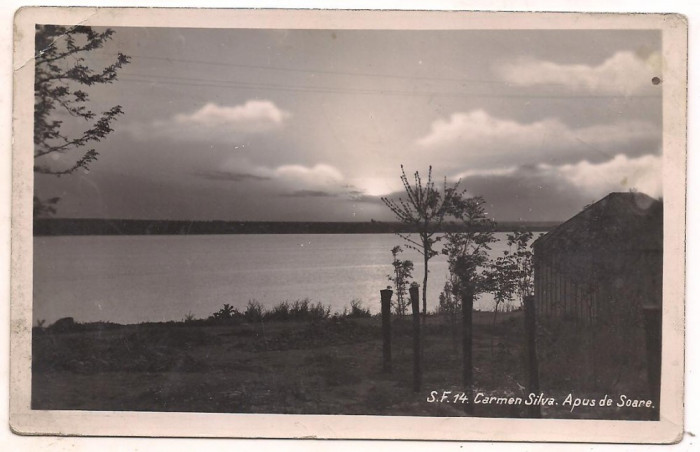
{"x": 408, "y": 216}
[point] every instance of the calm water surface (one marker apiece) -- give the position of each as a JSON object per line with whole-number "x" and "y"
{"x": 129, "y": 279}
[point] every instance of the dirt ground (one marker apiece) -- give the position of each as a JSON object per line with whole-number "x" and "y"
{"x": 330, "y": 366}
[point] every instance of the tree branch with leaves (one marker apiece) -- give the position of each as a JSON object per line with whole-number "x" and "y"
{"x": 403, "y": 271}
{"x": 468, "y": 259}
{"x": 60, "y": 77}
{"x": 512, "y": 274}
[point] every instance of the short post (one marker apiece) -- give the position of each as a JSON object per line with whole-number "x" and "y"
{"x": 652, "y": 330}
{"x": 467, "y": 298}
{"x": 415, "y": 307}
{"x": 533, "y": 386}
{"x": 386, "y": 327}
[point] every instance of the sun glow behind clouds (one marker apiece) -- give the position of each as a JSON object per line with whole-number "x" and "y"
{"x": 376, "y": 186}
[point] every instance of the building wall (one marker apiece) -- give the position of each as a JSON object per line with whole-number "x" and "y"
{"x": 597, "y": 286}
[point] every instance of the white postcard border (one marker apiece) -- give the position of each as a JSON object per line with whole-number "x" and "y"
{"x": 91, "y": 423}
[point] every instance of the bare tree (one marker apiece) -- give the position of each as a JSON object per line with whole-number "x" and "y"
{"x": 424, "y": 209}
{"x": 61, "y": 73}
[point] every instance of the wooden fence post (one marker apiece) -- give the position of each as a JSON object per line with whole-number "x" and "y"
{"x": 415, "y": 307}
{"x": 386, "y": 327}
{"x": 652, "y": 330}
{"x": 534, "y": 411}
{"x": 467, "y": 300}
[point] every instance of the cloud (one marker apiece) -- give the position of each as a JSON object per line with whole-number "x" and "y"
{"x": 487, "y": 172}
{"x": 310, "y": 194}
{"x": 483, "y": 140}
{"x": 229, "y": 176}
{"x": 319, "y": 175}
{"x": 216, "y": 123}
{"x": 556, "y": 192}
{"x": 297, "y": 181}
{"x": 624, "y": 73}
{"x": 253, "y": 116}
{"x": 619, "y": 174}
{"x": 289, "y": 180}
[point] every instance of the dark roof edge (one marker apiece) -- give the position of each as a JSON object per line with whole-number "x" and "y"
{"x": 545, "y": 237}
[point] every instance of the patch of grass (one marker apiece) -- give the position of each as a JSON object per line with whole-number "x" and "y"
{"x": 140, "y": 349}
{"x": 327, "y": 365}
{"x": 335, "y": 370}
{"x": 380, "y": 397}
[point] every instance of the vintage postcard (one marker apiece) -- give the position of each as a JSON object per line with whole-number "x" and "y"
{"x": 349, "y": 224}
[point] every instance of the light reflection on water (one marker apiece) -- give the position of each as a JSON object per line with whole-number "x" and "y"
{"x": 129, "y": 279}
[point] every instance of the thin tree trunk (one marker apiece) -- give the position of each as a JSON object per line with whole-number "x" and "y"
{"x": 425, "y": 284}
{"x": 493, "y": 327}
{"x": 398, "y": 289}
{"x": 531, "y": 343}
{"x": 386, "y": 329}
{"x": 493, "y": 333}
{"x": 417, "y": 349}
{"x": 453, "y": 328}
{"x": 467, "y": 369}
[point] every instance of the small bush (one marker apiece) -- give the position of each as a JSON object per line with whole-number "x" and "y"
{"x": 227, "y": 312}
{"x": 357, "y": 310}
{"x": 254, "y": 311}
{"x": 64, "y": 325}
{"x": 319, "y": 312}
{"x": 279, "y": 312}
{"x": 300, "y": 309}
{"x": 189, "y": 317}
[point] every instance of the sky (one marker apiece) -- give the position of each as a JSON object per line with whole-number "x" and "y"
{"x": 314, "y": 125}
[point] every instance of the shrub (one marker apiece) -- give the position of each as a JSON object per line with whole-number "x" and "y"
{"x": 279, "y": 312}
{"x": 448, "y": 305}
{"x": 403, "y": 270}
{"x": 300, "y": 309}
{"x": 319, "y": 312}
{"x": 189, "y": 317}
{"x": 254, "y": 311}
{"x": 357, "y": 310}
{"x": 227, "y": 312}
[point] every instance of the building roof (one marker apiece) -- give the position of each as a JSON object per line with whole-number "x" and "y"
{"x": 619, "y": 221}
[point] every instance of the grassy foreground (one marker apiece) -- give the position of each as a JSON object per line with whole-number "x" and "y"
{"x": 321, "y": 366}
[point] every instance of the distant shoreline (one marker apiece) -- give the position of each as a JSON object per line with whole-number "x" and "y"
{"x": 93, "y": 226}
